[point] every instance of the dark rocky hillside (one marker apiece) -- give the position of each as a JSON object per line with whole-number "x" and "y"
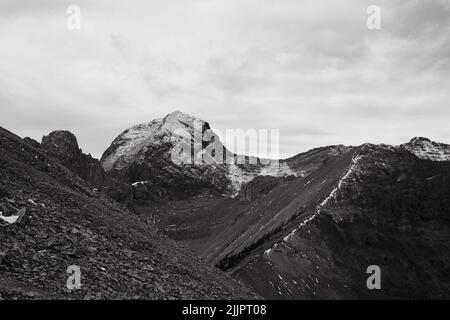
{"x": 64, "y": 221}
{"x": 312, "y": 231}
{"x": 315, "y": 236}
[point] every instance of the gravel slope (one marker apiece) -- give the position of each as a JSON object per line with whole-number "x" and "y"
{"x": 68, "y": 223}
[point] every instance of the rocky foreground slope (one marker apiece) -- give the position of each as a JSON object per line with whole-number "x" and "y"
{"x": 51, "y": 219}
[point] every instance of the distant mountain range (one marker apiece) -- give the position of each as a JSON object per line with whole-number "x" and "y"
{"x": 308, "y": 228}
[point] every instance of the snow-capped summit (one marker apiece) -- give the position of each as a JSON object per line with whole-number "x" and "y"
{"x": 179, "y": 121}
{"x": 144, "y": 153}
{"x": 130, "y": 142}
{"x": 426, "y": 149}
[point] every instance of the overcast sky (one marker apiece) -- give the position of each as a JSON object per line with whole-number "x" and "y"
{"x": 310, "y": 68}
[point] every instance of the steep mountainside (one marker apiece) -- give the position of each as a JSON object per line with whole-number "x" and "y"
{"x": 315, "y": 237}
{"x": 196, "y": 218}
{"x": 306, "y": 229}
{"x": 51, "y": 219}
{"x": 142, "y": 155}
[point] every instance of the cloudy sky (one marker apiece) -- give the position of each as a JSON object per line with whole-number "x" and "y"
{"x": 310, "y": 68}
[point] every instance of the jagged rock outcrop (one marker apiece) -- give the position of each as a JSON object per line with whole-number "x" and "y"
{"x": 63, "y": 146}
{"x": 32, "y": 142}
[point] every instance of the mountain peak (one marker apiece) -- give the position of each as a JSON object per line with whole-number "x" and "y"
{"x": 419, "y": 139}
{"x": 426, "y": 149}
{"x": 178, "y": 120}
{"x": 135, "y": 140}
{"x": 61, "y": 144}
{"x": 177, "y": 114}
{"x": 60, "y": 135}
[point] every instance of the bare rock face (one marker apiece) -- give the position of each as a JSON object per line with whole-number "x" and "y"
{"x": 32, "y": 142}
{"x": 63, "y": 146}
{"x": 303, "y": 165}
{"x": 426, "y": 149}
{"x": 142, "y": 156}
{"x": 259, "y": 186}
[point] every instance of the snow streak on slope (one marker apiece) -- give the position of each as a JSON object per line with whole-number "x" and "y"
{"x": 332, "y": 196}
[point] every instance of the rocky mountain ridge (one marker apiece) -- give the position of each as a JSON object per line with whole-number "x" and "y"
{"x": 307, "y": 230}
{"x": 142, "y": 155}
{"x": 314, "y": 237}
{"x": 63, "y": 147}
{"x": 290, "y": 236}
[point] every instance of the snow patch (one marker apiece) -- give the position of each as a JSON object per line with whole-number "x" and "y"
{"x": 269, "y": 251}
{"x": 10, "y": 219}
{"x": 139, "y": 183}
{"x": 15, "y": 218}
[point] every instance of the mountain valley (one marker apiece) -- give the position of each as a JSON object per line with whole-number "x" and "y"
{"x": 308, "y": 229}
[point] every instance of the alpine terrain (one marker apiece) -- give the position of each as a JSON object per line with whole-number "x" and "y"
{"x": 51, "y": 219}
{"x": 309, "y": 229}
{"x": 141, "y": 225}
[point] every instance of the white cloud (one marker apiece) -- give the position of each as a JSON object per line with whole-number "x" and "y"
{"x": 310, "y": 68}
